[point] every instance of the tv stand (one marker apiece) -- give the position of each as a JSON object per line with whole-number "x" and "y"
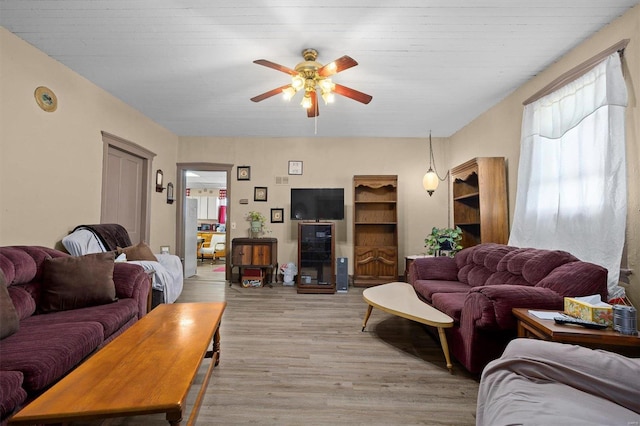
{"x": 316, "y": 257}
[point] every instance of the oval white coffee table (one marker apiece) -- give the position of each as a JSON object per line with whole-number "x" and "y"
{"x": 400, "y": 299}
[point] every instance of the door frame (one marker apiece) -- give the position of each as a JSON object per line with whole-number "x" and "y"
{"x": 110, "y": 140}
{"x": 181, "y": 179}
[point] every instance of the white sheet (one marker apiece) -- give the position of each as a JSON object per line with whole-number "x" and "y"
{"x": 546, "y": 383}
{"x": 81, "y": 242}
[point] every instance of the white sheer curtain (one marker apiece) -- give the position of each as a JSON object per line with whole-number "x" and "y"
{"x": 572, "y": 191}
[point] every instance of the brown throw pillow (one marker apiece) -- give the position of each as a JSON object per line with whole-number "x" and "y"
{"x": 9, "y": 322}
{"x": 77, "y": 282}
{"x": 140, "y": 251}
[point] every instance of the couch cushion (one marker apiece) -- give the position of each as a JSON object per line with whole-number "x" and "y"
{"x": 9, "y": 321}
{"x": 74, "y": 282}
{"x": 46, "y": 352}
{"x": 450, "y": 303}
{"x": 22, "y": 300}
{"x": 140, "y": 251}
{"x": 427, "y": 288}
{"x": 506, "y": 277}
{"x": 543, "y": 262}
{"x": 11, "y": 392}
{"x": 111, "y": 316}
{"x": 514, "y": 261}
{"x": 577, "y": 279}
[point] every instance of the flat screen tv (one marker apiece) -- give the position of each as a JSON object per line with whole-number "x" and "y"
{"x": 317, "y": 204}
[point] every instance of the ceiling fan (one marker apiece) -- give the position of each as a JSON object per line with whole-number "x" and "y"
{"x": 312, "y": 76}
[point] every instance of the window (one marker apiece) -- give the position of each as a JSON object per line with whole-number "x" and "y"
{"x": 571, "y": 191}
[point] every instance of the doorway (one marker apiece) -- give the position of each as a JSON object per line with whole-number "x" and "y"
{"x": 209, "y": 184}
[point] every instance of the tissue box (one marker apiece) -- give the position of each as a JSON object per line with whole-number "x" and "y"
{"x": 601, "y": 313}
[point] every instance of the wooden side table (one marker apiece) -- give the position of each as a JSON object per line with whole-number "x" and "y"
{"x": 533, "y": 327}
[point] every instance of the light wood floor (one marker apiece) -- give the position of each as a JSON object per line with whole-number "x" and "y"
{"x": 289, "y": 359}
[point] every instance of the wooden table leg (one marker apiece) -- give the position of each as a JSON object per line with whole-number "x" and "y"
{"x": 445, "y": 348}
{"x": 366, "y": 316}
{"x": 174, "y": 417}
{"x": 215, "y": 352}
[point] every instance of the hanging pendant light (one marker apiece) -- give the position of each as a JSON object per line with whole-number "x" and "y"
{"x": 431, "y": 179}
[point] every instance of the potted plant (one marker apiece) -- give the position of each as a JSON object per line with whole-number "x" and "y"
{"x": 257, "y": 221}
{"x": 444, "y": 240}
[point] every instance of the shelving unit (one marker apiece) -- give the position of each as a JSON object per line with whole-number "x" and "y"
{"x": 480, "y": 206}
{"x": 375, "y": 229}
{"x": 316, "y": 257}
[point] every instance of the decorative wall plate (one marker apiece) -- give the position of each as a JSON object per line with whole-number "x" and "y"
{"x": 46, "y": 99}
{"x": 244, "y": 173}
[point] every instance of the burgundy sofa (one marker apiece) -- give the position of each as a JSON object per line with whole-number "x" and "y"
{"x": 481, "y": 284}
{"x": 43, "y": 346}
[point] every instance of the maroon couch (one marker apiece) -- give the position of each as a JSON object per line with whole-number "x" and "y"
{"x": 481, "y": 284}
{"x": 46, "y": 342}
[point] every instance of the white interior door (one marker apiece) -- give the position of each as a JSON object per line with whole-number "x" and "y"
{"x": 190, "y": 237}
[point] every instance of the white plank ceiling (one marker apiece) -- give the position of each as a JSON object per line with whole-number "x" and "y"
{"x": 429, "y": 64}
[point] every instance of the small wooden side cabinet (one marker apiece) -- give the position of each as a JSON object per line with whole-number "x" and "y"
{"x": 254, "y": 253}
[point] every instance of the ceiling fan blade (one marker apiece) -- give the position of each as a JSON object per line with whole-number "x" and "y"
{"x": 269, "y": 94}
{"x": 336, "y": 66}
{"x": 275, "y": 66}
{"x": 313, "y": 110}
{"x": 352, "y": 93}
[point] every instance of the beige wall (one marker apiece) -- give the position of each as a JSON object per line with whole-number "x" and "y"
{"x": 327, "y": 163}
{"x": 497, "y": 131}
{"x": 51, "y": 163}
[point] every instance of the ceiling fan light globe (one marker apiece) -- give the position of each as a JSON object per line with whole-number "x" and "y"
{"x": 326, "y": 85}
{"x": 297, "y": 82}
{"x": 306, "y": 102}
{"x": 328, "y": 97}
{"x": 288, "y": 93}
{"x": 430, "y": 181}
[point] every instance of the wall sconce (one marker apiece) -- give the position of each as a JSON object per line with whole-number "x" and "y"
{"x": 170, "y": 196}
{"x": 431, "y": 179}
{"x": 159, "y": 178}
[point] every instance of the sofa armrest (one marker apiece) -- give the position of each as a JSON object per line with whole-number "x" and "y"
{"x": 433, "y": 268}
{"x": 490, "y": 306}
{"x": 132, "y": 282}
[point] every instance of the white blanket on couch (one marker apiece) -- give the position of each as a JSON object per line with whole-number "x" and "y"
{"x": 167, "y": 276}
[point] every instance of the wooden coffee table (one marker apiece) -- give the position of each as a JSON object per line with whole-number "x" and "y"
{"x": 533, "y": 327}
{"x": 147, "y": 369}
{"x": 401, "y": 299}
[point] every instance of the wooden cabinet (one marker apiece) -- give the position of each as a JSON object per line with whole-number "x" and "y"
{"x": 316, "y": 257}
{"x": 375, "y": 229}
{"x": 255, "y": 253}
{"x": 480, "y": 206}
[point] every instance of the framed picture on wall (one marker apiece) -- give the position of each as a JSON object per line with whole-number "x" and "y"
{"x": 244, "y": 172}
{"x": 260, "y": 193}
{"x": 295, "y": 167}
{"x": 277, "y": 215}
